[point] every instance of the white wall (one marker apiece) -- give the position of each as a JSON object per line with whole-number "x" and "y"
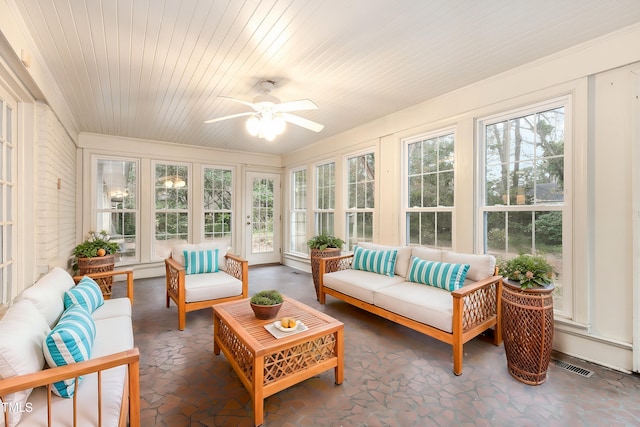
{"x": 598, "y": 79}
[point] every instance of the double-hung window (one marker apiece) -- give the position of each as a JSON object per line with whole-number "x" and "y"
{"x": 360, "y": 199}
{"x": 217, "y": 203}
{"x": 298, "y": 227}
{"x": 171, "y": 204}
{"x": 116, "y": 204}
{"x": 325, "y": 198}
{"x": 523, "y": 198}
{"x": 430, "y": 189}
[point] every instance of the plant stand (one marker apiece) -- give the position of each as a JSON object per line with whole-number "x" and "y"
{"x": 316, "y": 254}
{"x": 527, "y": 331}
{"x": 98, "y": 265}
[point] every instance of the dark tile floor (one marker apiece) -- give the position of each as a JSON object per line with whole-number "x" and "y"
{"x": 393, "y": 376}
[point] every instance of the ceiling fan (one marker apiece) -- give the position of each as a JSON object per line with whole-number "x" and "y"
{"x": 269, "y": 116}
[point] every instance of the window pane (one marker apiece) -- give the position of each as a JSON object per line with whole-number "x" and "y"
{"x": 445, "y": 191}
{"x": 430, "y": 190}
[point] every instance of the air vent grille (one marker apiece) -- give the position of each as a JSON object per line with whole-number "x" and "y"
{"x": 572, "y": 368}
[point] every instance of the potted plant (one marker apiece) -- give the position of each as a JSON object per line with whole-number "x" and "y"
{"x": 322, "y": 246}
{"x": 96, "y": 255}
{"x": 266, "y": 304}
{"x": 527, "y": 316}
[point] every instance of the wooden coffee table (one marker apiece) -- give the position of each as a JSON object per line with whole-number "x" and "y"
{"x": 267, "y": 365}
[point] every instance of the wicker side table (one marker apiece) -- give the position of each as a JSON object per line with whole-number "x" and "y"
{"x": 98, "y": 265}
{"x": 527, "y": 331}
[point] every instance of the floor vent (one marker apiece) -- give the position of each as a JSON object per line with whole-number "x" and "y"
{"x": 572, "y": 368}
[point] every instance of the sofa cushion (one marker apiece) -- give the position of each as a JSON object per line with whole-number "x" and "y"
{"x": 47, "y": 300}
{"x": 439, "y": 274}
{"x": 359, "y": 284}
{"x": 424, "y": 252}
{"x": 177, "y": 252}
{"x": 402, "y": 259}
{"x": 70, "y": 341}
{"x": 425, "y": 304}
{"x": 112, "y": 308}
{"x": 58, "y": 279}
{"x": 202, "y": 261}
{"x": 480, "y": 266}
{"x": 23, "y": 329}
{"x": 86, "y": 293}
{"x": 381, "y": 262}
{"x": 113, "y": 334}
{"x": 202, "y": 287}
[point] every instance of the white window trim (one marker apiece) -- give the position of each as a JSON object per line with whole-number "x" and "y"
{"x": 202, "y": 210}
{"x": 291, "y": 207}
{"x": 565, "y": 101}
{"x": 317, "y": 210}
{"x": 405, "y": 202}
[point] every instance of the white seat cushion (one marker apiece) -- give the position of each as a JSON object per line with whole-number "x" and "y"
{"x": 202, "y": 287}
{"x": 113, "y": 335}
{"x": 113, "y": 308}
{"x": 359, "y": 284}
{"x": 422, "y": 303}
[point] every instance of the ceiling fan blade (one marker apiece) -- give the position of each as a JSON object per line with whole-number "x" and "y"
{"x": 232, "y": 116}
{"x": 300, "y": 105}
{"x": 305, "y": 123}
{"x": 240, "y": 101}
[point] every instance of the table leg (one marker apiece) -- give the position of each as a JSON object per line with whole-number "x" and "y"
{"x": 216, "y": 331}
{"x": 258, "y": 392}
{"x": 339, "y": 369}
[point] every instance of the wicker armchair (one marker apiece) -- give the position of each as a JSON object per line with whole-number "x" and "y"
{"x": 190, "y": 292}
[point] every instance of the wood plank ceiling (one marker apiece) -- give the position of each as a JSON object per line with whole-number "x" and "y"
{"x": 154, "y": 69}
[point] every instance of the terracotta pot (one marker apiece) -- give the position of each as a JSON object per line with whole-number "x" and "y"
{"x": 265, "y": 312}
{"x": 316, "y": 254}
{"x": 527, "y": 331}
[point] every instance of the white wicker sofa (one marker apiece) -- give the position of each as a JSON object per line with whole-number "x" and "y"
{"x": 108, "y": 382}
{"x": 453, "y": 317}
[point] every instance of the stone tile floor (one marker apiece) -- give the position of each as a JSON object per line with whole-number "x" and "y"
{"x": 393, "y": 375}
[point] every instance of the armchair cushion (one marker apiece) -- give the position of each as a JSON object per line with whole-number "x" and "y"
{"x": 177, "y": 252}
{"x": 70, "y": 341}
{"x": 203, "y": 261}
{"x": 208, "y": 286}
{"x": 439, "y": 274}
{"x": 86, "y": 293}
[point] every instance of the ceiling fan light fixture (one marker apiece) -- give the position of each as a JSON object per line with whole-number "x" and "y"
{"x": 253, "y": 125}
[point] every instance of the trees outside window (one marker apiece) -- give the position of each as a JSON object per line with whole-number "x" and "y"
{"x": 360, "y": 199}
{"x": 430, "y": 189}
{"x": 523, "y": 208}
{"x": 217, "y": 203}
{"x": 116, "y": 204}
{"x": 298, "y": 214}
{"x": 171, "y": 205}
{"x": 325, "y": 198}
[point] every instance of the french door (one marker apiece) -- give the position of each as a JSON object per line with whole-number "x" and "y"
{"x": 262, "y": 218}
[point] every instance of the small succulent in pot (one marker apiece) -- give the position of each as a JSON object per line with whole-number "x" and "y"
{"x": 266, "y": 304}
{"x": 529, "y": 270}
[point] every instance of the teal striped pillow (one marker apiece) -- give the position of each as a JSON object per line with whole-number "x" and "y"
{"x": 381, "y": 262}
{"x": 86, "y": 293}
{"x": 197, "y": 262}
{"x": 70, "y": 341}
{"x": 437, "y": 274}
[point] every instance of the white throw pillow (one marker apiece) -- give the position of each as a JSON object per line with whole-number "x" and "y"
{"x": 23, "y": 330}
{"x": 481, "y": 266}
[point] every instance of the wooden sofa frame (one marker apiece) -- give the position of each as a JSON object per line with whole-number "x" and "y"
{"x": 476, "y": 308}
{"x": 236, "y": 267}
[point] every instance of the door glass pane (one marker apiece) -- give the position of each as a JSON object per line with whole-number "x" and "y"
{"x": 262, "y": 216}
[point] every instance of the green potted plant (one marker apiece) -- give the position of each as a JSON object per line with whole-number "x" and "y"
{"x": 96, "y": 255}
{"x": 266, "y": 304}
{"x": 322, "y": 246}
{"x": 527, "y": 316}
{"x": 528, "y": 270}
